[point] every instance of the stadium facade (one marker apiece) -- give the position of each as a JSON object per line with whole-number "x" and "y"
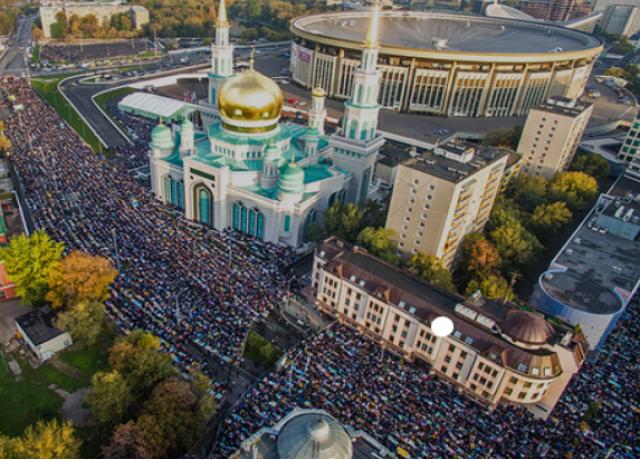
{"x": 446, "y": 64}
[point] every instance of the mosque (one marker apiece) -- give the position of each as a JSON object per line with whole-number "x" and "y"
{"x": 255, "y": 173}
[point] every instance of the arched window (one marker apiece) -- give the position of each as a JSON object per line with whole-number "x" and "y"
{"x": 359, "y": 95}
{"x": 249, "y": 221}
{"x": 180, "y": 194}
{"x": 168, "y": 186}
{"x": 363, "y": 132}
{"x": 310, "y": 220}
{"x": 352, "y": 129}
{"x": 203, "y": 205}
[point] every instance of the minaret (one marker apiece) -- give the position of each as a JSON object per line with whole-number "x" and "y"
{"x": 270, "y": 171}
{"x": 221, "y": 55}
{"x": 356, "y": 146}
{"x": 186, "y": 137}
{"x": 318, "y": 112}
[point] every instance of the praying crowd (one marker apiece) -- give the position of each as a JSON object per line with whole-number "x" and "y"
{"x": 200, "y": 290}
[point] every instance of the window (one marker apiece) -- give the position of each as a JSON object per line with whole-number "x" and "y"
{"x": 287, "y": 223}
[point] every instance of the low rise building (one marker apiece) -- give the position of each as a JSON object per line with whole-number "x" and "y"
{"x": 310, "y": 433}
{"x": 497, "y": 353}
{"x": 43, "y": 338}
{"x": 551, "y": 135}
{"x": 590, "y": 282}
{"x": 441, "y": 195}
{"x": 102, "y": 10}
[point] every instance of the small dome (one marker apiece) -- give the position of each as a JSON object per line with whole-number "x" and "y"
{"x": 314, "y": 435}
{"x": 292, "y": 179}
{"x": 527, "y": 327}
{"x": 250, "y": 97}
{"x": 318, "y": 91}
{"x": 161, "y": 136}
{"x": 186, "y": 123}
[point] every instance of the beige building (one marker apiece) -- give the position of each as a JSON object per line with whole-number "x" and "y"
{"x": 551, "y": 135}
{"x": 443, "y": 194}
{"x": 621, "y": 20}
{"x": 496, "y": 352}
{"x": 103, "y": 10}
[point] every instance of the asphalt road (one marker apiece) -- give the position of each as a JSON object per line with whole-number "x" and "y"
{"x": 80, "y": 95}
{"x": 13, "y": 60}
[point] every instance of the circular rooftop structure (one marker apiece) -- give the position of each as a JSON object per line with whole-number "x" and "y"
{"x": 527, "y": 327}
{"x": 444, "y": 63}
{"x": 314, "y": 435}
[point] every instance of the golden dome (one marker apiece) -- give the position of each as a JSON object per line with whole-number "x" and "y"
{"x": 250, "y": 99}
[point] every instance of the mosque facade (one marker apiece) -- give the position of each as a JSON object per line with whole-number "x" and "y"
{"x": 254, "y": 173}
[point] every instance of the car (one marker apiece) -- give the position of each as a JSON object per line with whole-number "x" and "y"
{"x": 293, "y": 100}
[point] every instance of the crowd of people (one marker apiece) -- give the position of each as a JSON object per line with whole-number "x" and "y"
{"x": 402, "y": 405}
{"x": 199, "y": 290}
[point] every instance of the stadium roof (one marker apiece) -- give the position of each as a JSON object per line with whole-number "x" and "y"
{"x": 445, "y": 32}
{"x": 154, "y": 106}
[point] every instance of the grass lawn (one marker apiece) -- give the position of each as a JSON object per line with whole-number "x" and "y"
{"x": 89, "y": 360}
{"x": 24, "y": 402}
{"x": 261, "y": 351}
{"x": 47, "y": 87}
{"x": 115, "y": 94}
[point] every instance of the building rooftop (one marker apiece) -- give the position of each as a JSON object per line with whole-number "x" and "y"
{"x": 38, "y": 325}
{"x": 478, "y": 322}
{"x": 446, "y": 33}
{"x": 564, "y": 106}
{"x": 434, "y": 162}
{"x": 597, "y": 271}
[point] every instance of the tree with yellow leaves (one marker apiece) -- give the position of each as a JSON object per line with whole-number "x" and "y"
{"x": 44, "y": 440}
{"x": 80, "y": 277}
{"x": 29, "y": 260}
{"x": 84, "y": 321}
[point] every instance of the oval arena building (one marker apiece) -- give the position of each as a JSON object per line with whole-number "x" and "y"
{"x": 446, "y": 64}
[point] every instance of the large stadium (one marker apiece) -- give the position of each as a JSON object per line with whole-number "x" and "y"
{"x": 446, "y": 64}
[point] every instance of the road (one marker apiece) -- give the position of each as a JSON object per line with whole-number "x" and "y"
{"x": 80, "y": 95}
{"x": 14, "y": 59}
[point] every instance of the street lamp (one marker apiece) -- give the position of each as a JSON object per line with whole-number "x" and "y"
{"x": 442, "y": 326}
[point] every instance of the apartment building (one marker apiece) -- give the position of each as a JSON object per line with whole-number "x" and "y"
{"x": 441, "y": 195}
{"x": 551, "y": 135}
{"x": 496, "y": 353}
{"x": 621, "y": 20}
{"x": 629, "y": 152}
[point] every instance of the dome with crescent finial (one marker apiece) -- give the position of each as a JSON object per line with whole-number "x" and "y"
{"x": 161, "y": 136}
{"x": 250, "y": 102}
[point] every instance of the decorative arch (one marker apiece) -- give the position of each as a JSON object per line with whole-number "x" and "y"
{"x": 173, "y": 191}
{"x": 203, "y": 204}
{"x": 247, "y": 220}
{"x": 311, "y": 219}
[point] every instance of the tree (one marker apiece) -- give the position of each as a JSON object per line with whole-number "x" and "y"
{"x": 492, "y": 286}
{"x": 528, "y": 192}
{"x": 80, "y": 277}
{"x": 549, "y": 218}
{"x": 516, "y": 245}
{"x": 5, "y": 143}
{"x": 84, "y": 321}
{"x": 110, "y": 397}
{"x": 504, "y": 137}
{"x": 140, "y": 360}
{"x": 29, "y": 261}
{"x": 479, "y": 255}
{"x": 505, "y": 212}
{"x": 44, "y": 440}
{"x": 432, "y": 270}
{"x": 576, "y": 188}
{"x": 591, "y": 164}
{"x": 379, "y": 241}
{"x": 135, "y": 439}
{"x": 614, "y": 72}
{"x": 343, "y": 220}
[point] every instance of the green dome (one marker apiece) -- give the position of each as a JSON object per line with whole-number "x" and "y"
{"x": 161, "y": 136}
{"x": 312, "y": 132}
{"x": 291, "y": 179}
